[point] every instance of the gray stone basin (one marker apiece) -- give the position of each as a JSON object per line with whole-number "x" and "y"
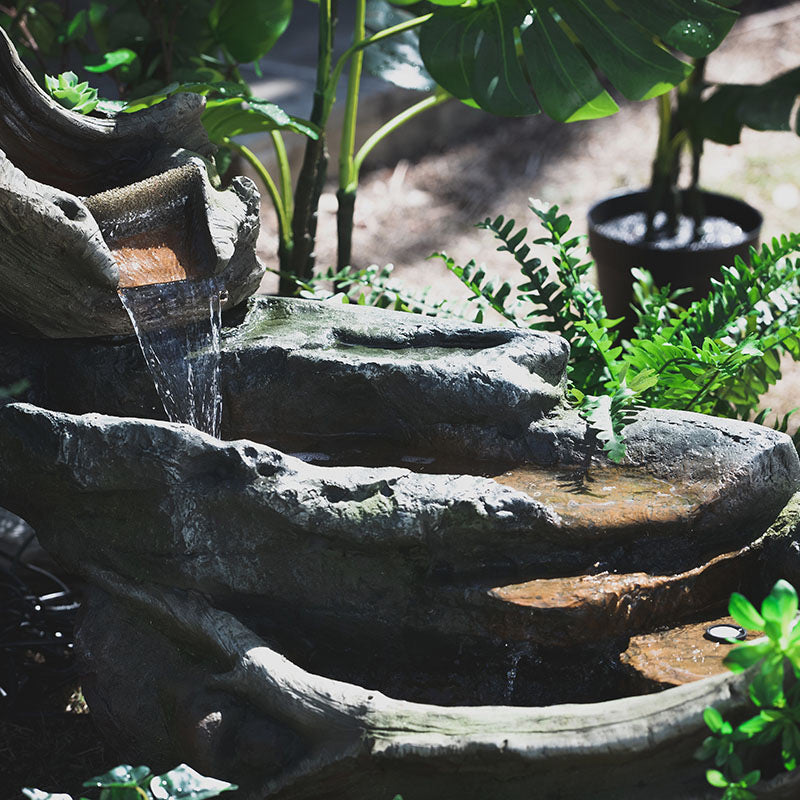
{"x": 407, "y": 575}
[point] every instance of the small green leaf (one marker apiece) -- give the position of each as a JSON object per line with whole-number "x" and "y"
{"x": 111, "y": 60}
{"x": 752, "y": 778}
{"x": 716, "y": 778}
{"x": 76, "y": 28}
{"x": 743, "y": 611}
{"x": 643, "y": 381}
{"x": 184, "y": 783}
{"x": 123, "y": 775}
{"x": 785, "y": 598}
{"x": 755, "y": 724}
{"x": 744, "y": 656}
{"x": 713, "y": 719}
{"x": 766, "y": 689}
{"x": 111, "y": 107}
{"x": 152, "y": 99}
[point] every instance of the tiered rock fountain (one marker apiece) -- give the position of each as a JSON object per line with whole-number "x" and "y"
{"x": 406, "y": 553}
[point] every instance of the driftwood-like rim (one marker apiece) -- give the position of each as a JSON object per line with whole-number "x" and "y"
{"x": 81, "y": 154}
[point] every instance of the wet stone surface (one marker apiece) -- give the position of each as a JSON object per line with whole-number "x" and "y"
{"x": 610, "y": 496}
{"x": 680, "y": 655}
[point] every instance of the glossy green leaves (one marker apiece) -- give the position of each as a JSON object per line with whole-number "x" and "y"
{"x": 71, "y": 93}
{"x": 225, "y": 118}
{"x": 763, "y": 107}
{"x": 513, "y": 57}
{"x": 137, "y": 783}
{"x": 249, "y": 28}
{"x": 184, "y": 783}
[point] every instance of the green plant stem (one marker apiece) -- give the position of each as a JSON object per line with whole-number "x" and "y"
{"x": 311, "y": 180}
{"x": 274, "y": 194}
{"x": 391, "y": 126}
{"x": 350, "y": 168}
{"x": 348, "y": 143}
{"x": 659, "y": 183}
{"x": 357, "y": 46}
{"x": 689, "y": 103}
{"x": 285, "y": 173}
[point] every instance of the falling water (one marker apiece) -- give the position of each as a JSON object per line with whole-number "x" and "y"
{"x": 511, "y": 674}
{"x": 183, "y": 357}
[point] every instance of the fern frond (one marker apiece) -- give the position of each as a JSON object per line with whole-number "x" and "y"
{"x": 482, "y": 289}
{"x": 718, "y": 356}
{"x": 374, "y": 286}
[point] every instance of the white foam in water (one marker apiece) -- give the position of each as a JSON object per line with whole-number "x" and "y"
{"x": 184, "y": 360}
{"x": 511, "y": 674}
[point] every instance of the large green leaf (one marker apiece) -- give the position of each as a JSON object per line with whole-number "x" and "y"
{"x": 693, "y": 28}
{"x": 626, "y": 53}
{"x": 573, "y": 91}
{"x": 396, "y": 59}
{"x": 764, "y": 107}
{"x": 230, "y": 117}
{"x": 471, "y": 52}
{"x": 511, "y": 56}
{"x": 249, "y": 28}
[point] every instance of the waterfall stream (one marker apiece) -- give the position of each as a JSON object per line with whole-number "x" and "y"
{"x": 183, "y": 359}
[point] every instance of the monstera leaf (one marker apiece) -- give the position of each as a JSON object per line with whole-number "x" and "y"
{"x": 249, "y": 28}
{"x": 517, "y": 57}
{"x": 764, "y": 107}
{"x": 396, "y": 59}
{"x": 231, "y": 110}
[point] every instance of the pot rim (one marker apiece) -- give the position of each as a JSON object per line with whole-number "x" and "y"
{"x": 734, "y": 209}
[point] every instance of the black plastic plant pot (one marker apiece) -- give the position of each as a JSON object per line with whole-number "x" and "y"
{"x": 680, "y": 267}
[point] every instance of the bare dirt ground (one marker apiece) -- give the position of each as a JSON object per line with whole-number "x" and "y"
{"x": 408, "y": 209}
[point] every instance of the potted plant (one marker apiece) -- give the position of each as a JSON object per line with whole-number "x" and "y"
{"x": 684, "y": 235}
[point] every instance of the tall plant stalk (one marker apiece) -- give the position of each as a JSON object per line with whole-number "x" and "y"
{"x": 298, "y": 257}
{"x": 690, "y": 101}
{"x": 348, "y": 180}
{"x": 296, "y": 250}
{"x": 676, "y": 111}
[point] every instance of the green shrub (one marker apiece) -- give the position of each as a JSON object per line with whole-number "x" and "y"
{"x": 738, "y": 750}
{"x": 718, "y": 356}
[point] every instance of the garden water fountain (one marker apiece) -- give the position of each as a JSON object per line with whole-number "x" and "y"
{"x": 406, "y": 566}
